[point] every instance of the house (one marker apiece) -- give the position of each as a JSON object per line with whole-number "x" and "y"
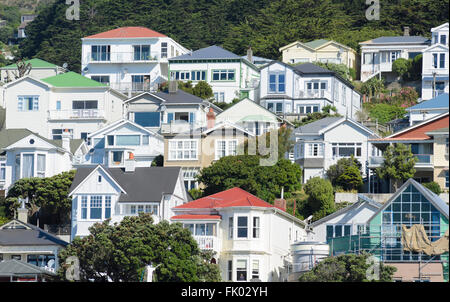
{"x": 428, "y": 109}
{"x": 65, "y": 101}
{"x": 350, "y": 220}
{"x": 440, "y": 157}
{"x": 199, "y": 148}
{"x": 24, "y": 21}
{"x": 295, "y": 91}
{"x": 377, "y": 55}
{"x": 26, "y": 154}
{"x": 320, "y": 144}
{"x": 435, "y": 68}
{"x": 257, "y": 61}
{"x": 40, "y": 69}
{"x": 321, "y": 50}
{"x": 422, "y": 139}
{"x": 28, "y": 244}
{"x": 411, "y": 205}
{"x": 99, "y": 193}
{"x": 129, "y": 59}
{"x": 112, "y": 145}
{"x": 230, "y": 76}
{"x": 168, "y": 112}
{"x": 20, "y": 271}
{"x": 251, "y": 238}
{"x": 252, "y": 117}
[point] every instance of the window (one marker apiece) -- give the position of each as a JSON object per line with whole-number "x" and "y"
{"x": 99, "y": 179}
{"x": 305, "y": 109}
{"x": 57, "y": 133}
{"x": 145, "y": 140}
{"x": 42, "y": 260}
{"x": 189, "y": 175}
{"x": 101, "y": 79}
{"x": 84, "y": 207}
{"x": 279, "y": 108}
{"x": 230, "y": 227}
{"x": 315, "y": 150}
{"x": 198, "y": 75}
{"x": 141, "y": 52}
{"x": 255, "y": 269}
{"x": 128, "y": 140}
{"x": 225, "y": 148}
{"x": 117, "y": 157}
{"x": 58, "y": 105}
{"x": 242, "y": 227}
{"x": 446, "y": 179}
{"x": 241, "y": 270}
{"x": 181, "y": 75}
{"x": 219, "y": 96}
{"x": 28, "y": 103}
{"x": 256, "y": 227}
{"x": 346, "y": 149}
{"x": 147, "y": 119}
{"x": 101, "y": 52}
{"x": 27, "y": 165}
{"x": 316, "y": 87}
{"x": 163, "y": 49}
{"x": 84, "y": 136}
{"x": 84, "y": 104}
{"x": 96, "y": 207}
{"x": 223, "y": 75}
{"x": 442, "y": 60}
{"x": 444, "y": 39}
{"x": 435, "y": 60}
{"x": 344, "y": 94}
{"x": 230, "y": 270}
{"x": 2, "y": 171}
{"x": 277, "y": 83}
{"x": 132, "y": 210}
{"x": 16, "y": 257}
{"x": 40, "y": 165}
{"x": 183, "y": 150}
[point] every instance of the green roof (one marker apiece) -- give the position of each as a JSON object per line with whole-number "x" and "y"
{"x": 316, "y": 43}
{"x": 35, "y": 63}
{"x": 72, "y": 79}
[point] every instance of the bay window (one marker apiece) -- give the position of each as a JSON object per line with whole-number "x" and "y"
{"x": 96, "y": 207}
{"x": 242, "y": 227}
{"x": 256, "y": 227}
{"x": 255, "y": 269}
{"x": 183, "y": 150}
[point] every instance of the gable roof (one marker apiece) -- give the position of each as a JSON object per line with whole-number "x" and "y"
{"x": 143, "y": 185}
{"x": 435, "y": 200}
{"x": 320, "y": 126}
{"x": 72, "y": 79}
{"x": 178, "y": 97}
{"x": 119, "y": 123}
{"x": 441, "y": 101}
{"x": 316, "y": 43}
{"x": 35, "y": 63}
{"x": 207, "y": 53}
{"x": 439, "y": 27}
{"x": 126, "y": 33}
{"x": 226, "y": 124}
{"x": 29, "y": 235}
{"x": 398, "y": 40}
{"x": 20, "y": 268}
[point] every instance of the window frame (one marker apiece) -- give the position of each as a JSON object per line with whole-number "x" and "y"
{"x": 183, "y": 150}
{"x": 226, "y": 72}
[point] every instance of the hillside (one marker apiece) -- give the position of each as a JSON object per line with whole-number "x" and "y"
{"x": 266, "y": 25}
{"x": 26, "y": 5}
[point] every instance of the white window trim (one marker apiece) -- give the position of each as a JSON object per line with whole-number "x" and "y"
{"x": 227, "y": 147}
{"x": 35, "y": 156}
{"x": 182, "y": 159}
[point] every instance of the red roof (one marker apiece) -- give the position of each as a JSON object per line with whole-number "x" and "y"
{"x": 127, "y": 32}
{"x": 196, "y": 217}
{"x": 235, "y": 197}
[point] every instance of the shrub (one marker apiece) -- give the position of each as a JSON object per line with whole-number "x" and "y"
{"x": 320, "y": 197}
{"x": 433, "y": 187}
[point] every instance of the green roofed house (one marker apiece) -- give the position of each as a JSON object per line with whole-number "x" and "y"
{"x": 415, "y": 206}
{"x": 321, "y": 50}
{"x": 39, "y": 69}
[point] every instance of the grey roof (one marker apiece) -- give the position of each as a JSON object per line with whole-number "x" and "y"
{"x": 316, "y": 126}
{"x": 310, "y": 68}
{"x": 20, "y": 268}
{"x": 179, "y": 97}
{"x": 399, "y": 39}
{"x": 208, "y": 53}
{"x": 142, "y": 185}
{"x": 32, "y": 235}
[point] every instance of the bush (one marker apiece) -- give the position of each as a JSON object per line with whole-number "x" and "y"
{"x": 320, "y": 197}
{"x": 196, "y": 193}
{"x": 385, "y": 113}
{"x": 401, "y": 67}
{"x": 433, "y": 187}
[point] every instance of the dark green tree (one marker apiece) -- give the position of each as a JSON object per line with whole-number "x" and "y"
{"x": 320, "y": 202}
{"x": 433, "y": 187}
{"x": 401, "y": 67}
{"x": 335, "y": 171}
{"x": 203, "y": 90}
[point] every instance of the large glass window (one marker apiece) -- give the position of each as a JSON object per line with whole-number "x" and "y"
{"x": 141, "y": 52}
{"x": 128, "y": 140}
{"x": 27, "y": 165}
{"x": 96, "y": 207}
{"x": 277, "y": 82}
{"x": 242, "y": 227}
{"x": 315, "y": 150}
{"x": 225, "y": 148}
{"x": 101, "y": 52}
{"x": 183, "y": 150}
{"x": 84, "y": 104}
{"x": 84, "y": 207}
{"x": 347, "y": 149}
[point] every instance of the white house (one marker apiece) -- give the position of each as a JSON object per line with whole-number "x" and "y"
{"x": 295, "y": 91}
{"x": 99, "y": 193}
{"x": 435, "y": 68}
{"x": 113, "y": 145}
{"x": 230, "y": 76}
{"x": 351, "y": 220}
{"x": 26, "y": 154}
{"x": 378, "y": 54}
{"x": 428, "y": 109}
{"x": 250, "y": 237}
{"x": 129, "y": 59}
{"x": 65, "y": 101}
{"x": 320, "y": 144}
{"x": 40, "y": 69}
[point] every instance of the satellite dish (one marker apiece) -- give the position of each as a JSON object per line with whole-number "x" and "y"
{"x": 65, "y": 65}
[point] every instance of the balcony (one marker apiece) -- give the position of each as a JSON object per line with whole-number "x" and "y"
{"x": 178, "y": 126}
{"x": 133, "y": 87}
{"x": 207, "y": 242}
{"x": 313, "y": 94}
{"x": 123, "y": 57}
{"x": 424, "y": 161}
{"x": 86, "y": 114}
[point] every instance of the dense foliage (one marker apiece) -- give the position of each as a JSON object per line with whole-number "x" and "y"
{"x": 347, "y": 268}
{"x": 320, "y": 202}
{"x": 346, "y": 174}
{"x": 383, "y": 113}
{"x": 121, "y": 251}
{"x": 433, "y": 187}
{"x": 265, "y": 25}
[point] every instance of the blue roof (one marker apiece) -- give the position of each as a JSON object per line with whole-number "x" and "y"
{"x": 207, "y": 53}
{"x": 440, "y": 101}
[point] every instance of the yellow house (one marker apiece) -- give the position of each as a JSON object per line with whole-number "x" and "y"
{"x": 441, "y": 157}
{"x": 319, "y": 51}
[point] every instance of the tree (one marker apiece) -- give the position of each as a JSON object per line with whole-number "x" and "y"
{"x": 186, "y": 86}
{"x": 433, "y": 187}
{"x": 338, "y": 169}
{"x": 121, "y": 251}
{"x": 346, "y": 268}
{"x": 373, "y": 87}
{"x": 384, "y": 113}
{"x": 245, "y": 172}
{"x": 401, "y": 67}
{"x": 320, "y": 197}
{"x": 203, "y": 90}
{"x": 158, "y": 161}
{"x": 351, "y": 179}
{"x": 398, "y": 164}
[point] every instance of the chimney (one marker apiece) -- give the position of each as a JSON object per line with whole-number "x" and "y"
{"x": 210, "y": 119}
{"x": 22, "y": 212}
{"x": 173, "y": 86}
{"x": 281, "y": 202}
{"x": 406, "y": 31}
{"x": 66, "y": 140}
{"x": 130, "y": 163}
{"x": 250, "y": 54}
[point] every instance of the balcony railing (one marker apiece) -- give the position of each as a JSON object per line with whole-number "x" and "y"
{"x": 178, "y": 126}
{"x": 123, "y": 57}
{"x": 206, "y": 242}
{"x": 423, "y": 160}
{"x": 133, "y": 86}
{"x": 76, "y": 114}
